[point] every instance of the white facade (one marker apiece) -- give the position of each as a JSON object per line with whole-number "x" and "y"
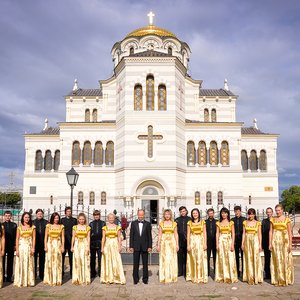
{"x": 142, "y": 171}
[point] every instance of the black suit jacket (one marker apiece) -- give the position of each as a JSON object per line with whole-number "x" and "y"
{"x": 68, "y": 223}
{"x": 40, "y": 233}
{"x": 265, "y": 233}
{"x": 140, "y": 242}
{"x": 238, "y": 229}
{"x": 10, "y": 229}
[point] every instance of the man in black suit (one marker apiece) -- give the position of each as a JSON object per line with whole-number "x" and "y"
{"x": 238, "y": 230}
{"x": 140, "y": 244}
{"x": 10, "y": 229}
{"x": 40, "y": 224}
{"x": 211, "y": 231}
{"x": 265, "y": 242}
{"x": 68, "y": 221}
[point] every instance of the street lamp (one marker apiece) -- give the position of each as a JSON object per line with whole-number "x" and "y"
{"x": 72, "y": 177}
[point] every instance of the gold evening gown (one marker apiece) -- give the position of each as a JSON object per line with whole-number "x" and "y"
{"x": 196, "y": 265}
{"x": 168, "y": 266}
{"x": 252, "y": 271}
{"x": 1, "y": 259}
{"x": 81, "y": 258}
{"x": 282, "y": 267}
{"x": 225, "y": 262}
{"x": 24, "y": 266}
{"x": 53, "y": 261}
{"x": 111, "y": 262}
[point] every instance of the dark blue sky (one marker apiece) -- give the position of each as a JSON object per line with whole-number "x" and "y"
{"x": 46, "y": 44}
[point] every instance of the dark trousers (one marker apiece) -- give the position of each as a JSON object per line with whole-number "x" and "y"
{"x": 238, "y": 250}
{"x": 136, "y": 265}
{"x": 211, "y": 248}
{"x": 94, "y": 252}
{"x": 181, "y": 257}
{"x": 267, "y": 254}
{"x": 9, "y": 258}
{"x": 70, "y": 253}
{"x": 39, "y": 254}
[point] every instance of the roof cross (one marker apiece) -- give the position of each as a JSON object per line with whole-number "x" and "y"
{"x": 150, "y": 16}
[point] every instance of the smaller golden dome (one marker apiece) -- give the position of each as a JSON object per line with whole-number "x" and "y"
{"x": 151, "y": 29}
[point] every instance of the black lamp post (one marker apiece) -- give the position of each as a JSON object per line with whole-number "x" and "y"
{"x": 72, "y": 177}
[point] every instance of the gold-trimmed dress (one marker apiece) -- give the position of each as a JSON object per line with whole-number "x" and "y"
{"x": 196, "y": 265}
{"x": 24, "y": 266}
{"x": 111, "y": 262}
{"x": 282, "y": 267}
{"x": 81, "y": 274}
{"x": 53, "y": 261}
{"x": 1, "y": 258}
{"x": 168, "y": 265}
{"x": 252, "y": 271}
{"x": 225, "y": 262}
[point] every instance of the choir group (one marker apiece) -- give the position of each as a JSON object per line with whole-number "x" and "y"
{"x": 185, "y": 247}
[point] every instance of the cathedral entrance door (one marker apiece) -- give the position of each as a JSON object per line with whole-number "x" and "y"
{"x": 151, "y": 210}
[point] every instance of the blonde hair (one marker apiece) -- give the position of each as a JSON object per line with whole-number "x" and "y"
{"x": 111, "y": 214}
{"x": 167, "y": 211}
{"x": 82, "y": 215}
{"x": 279, "y": 205}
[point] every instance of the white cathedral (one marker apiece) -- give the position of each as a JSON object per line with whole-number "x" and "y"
{"x": 151, "y": 137}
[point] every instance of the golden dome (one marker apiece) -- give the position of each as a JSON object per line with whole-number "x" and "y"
{"x": 151, "y": 29}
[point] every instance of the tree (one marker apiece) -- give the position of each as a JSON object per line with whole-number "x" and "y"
{"x": 10, "y": 199}
{"x": 291, "y": 198}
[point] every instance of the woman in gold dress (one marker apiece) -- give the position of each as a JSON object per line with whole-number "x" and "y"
{"x": 282, "y": 267}
{"x": 251, "y": 245}
{"x": 54, "y": 247}
{"x": 225, "y": 263}
{"x": 2, "y": 253}
{"x": 111, "y": 245}
{"x": 80, "y": 246}
{"x": 25, "y": 245}
{"x": 167, "y": 246}
{"x": 196, "y": 266}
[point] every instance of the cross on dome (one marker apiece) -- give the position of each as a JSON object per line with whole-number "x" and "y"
{"x": 151, "y": 15}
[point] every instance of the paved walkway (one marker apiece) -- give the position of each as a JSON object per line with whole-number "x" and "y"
{"x": 154, "y": 290}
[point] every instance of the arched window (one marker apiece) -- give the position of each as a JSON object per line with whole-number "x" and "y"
{"x": 80, "y": 198}
{"x": 213, "y": 154}
{"x": 150, "y": 92}
{"x": 213, "y": 115}
{"x": 263, "y": 160}
{"x": 208, "y": 198}
{"x": 138, "y": 97}
{"x": 244, "y": 160}
{"x": 51, "y": 200}
{"x": 87, "y": 154}
{"x": 253, "y": 160}
{"x": 98, "y": 154}
{"x": 206, "y": 115}
{"x": 224, "y": 154}
{"x": 191, "y": 153}
{"x": 48, "y": 161}
{"x": 103, "y": 198}
{"x": 76, "y": 154}
{"x": 92, "y": 198}
{"x": 131, "y": 51}
{"x": 170, "y": 51}
{"x": 109, "y": 154}
{"x": 39, "y": 160}
{"x": 56, "y": 160}
{"x": 220, "y": 198}
{"x": 95, "y": 115}
{"x": 197, "y": 198}
{"x": 162, "y": 97}
{"x": 202, "y": 154}
{"x": 87, "y": 116}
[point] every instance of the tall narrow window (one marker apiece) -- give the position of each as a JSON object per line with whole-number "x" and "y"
{"x": 197, "y": 198}
{"x": 39, "y": 160}
{"x": 76, "y": 154}
{"x": 206, "y": 115}
{"x": 95, "y": 115}
{"x": 131, "y": 51}
{"x": 170, "y": 51}
{"x": 191, "y": 153}
{"x": 250, "y": 199}
{"x": 87, "y": 116}
{"x": 162, "y": 97}
{"x": 253, "y": 160}
{"x": 103, "y": 198}
{"x": 92, "y": 198}
{"x": 56, "y": 160}
{"x": 220, "y": 198}
{"x": 202, "y": 156}
{"x": 224, "y": 154}
{"x": 51, "y": 200}
{"x": 48, "y": 161}
{"x": 87, "y": 154}
{"x": 80, "y": 198}
{"x": 213, "y": 154}
{"x": 208, "y": 198}
{"x": 150, "y": 92}
{"x": 109, "y": 154}
{"x": 98, "y": 154}
{"x": 138, "y": 97}
{"x": 213, "y": 115}
{"x": 244, "y": 160}
{"x": 263, "y": 160}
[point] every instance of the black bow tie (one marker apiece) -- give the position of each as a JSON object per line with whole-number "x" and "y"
{"x": 141, "y": 222}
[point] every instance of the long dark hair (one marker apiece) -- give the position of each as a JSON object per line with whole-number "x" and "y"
{"x": 53, "y": 217}
{"x": 199, "y": 218}
{"x": 253, "y": 212}
{"x": 30, "y": 219}
{"x": 225, "y": 210}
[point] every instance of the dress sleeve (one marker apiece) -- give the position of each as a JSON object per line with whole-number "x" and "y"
{"x": 119, "y": 227}
{"x": 244, "y": 223}
{"x": 62, "y": 226}
{"x": 48, "y": 225}
{"x": 231, "y": 223}
{"x": 74, "y": 227}
{"x": 272, "y": 220}
{"x": 33, "y": 227}
{"x": 189, "y": 223}
{"x": 218, "y": 224}
{"x": 174, "y": 224}
{"x": 287, "y": 220}
{"x": 258, "y": 223}
{"x": 88, "y": 228}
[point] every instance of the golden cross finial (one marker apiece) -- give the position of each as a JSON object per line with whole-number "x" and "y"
{"x": 150, "y": 16}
